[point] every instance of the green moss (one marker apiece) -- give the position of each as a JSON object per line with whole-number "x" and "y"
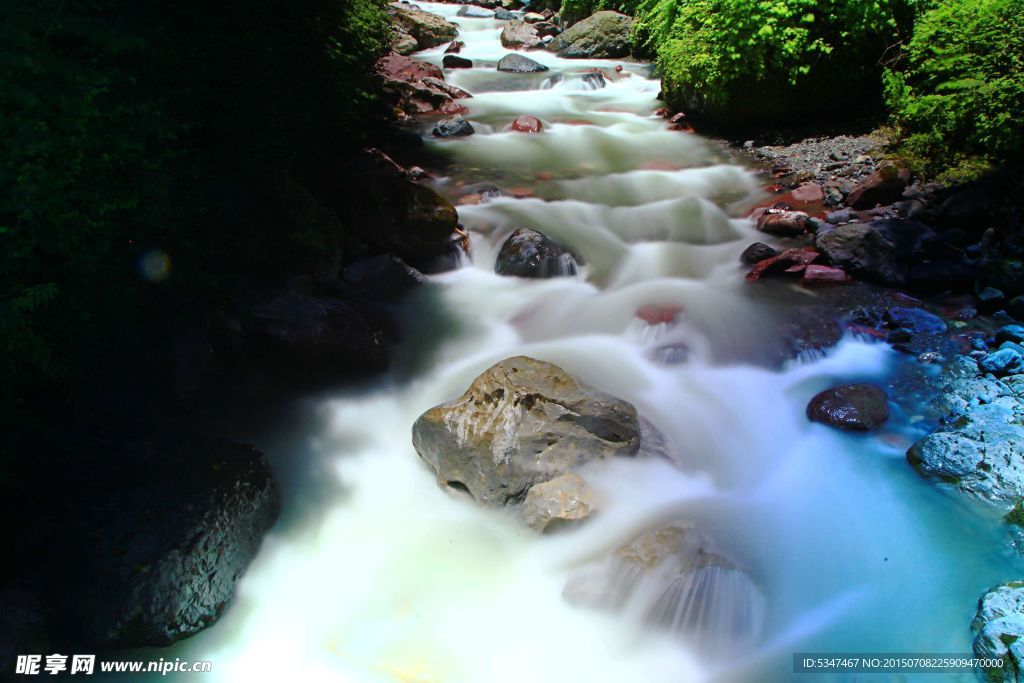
{"x": 1016, "y": 515}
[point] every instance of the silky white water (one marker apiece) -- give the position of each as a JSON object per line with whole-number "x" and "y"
{"x": 376, "y": 574}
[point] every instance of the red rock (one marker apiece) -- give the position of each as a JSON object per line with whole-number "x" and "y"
{"x": 659, "y": 314}
{"x": 545, "y": 175}
{"x": 783, "y": 222}
{"x": 815, "y": 276}
{"x": 618, "y": 68}
{"x": 774, "y": 189}
{"x": 808, "y": 193}
{"x": 527, "y": 124}
{"x": 658, "y": 166}
{"x": 453, "y": 109}
{"x": 398, "y": 67}
{"x": 791, "y": 260}
{"x": 520, "y": 192}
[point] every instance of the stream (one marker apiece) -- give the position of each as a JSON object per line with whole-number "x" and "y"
{"x": 375, "y": 574}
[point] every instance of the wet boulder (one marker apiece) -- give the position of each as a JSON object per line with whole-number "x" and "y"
{"x": 159, "y": 545}
{"x": 998, "y": 629}
{"x": 527, "y": 124}
{"x": 565, "y": 499}
{"x": 520, "y": 35}
{"x": 881, "y": 251}
{"x": 528, "y": 253}
{"x": 456, "y": 62}
{"x": 851, "y": 407}
{"x": 756, "y": 252}
{"x": 603, "y": 35}
{"x": 452, "y": 128}
{"x": 783, "y": 222}
{"x": 429, "y": 30}
{"x": 522, "y": 422}
{"x": 520, "y": 64}
{"x": 380, "y": 278}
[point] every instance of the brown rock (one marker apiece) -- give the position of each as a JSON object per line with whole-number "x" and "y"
{"x": 527, "y": 124}
{"x": 851, "y": 407}
{"x": 519, "y": 34}
{"x": 783, "y": 222}
{"x": 808, "y": 193}
{"x": 789, "y": 261}
{"x": 884, "y": 186}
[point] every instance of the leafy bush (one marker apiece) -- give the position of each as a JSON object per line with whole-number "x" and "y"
{"x": 737, "y": 62}
{"x": 958, "y": 99}
{"x": 216, "y": 134}
{"x": 574, "y": 10}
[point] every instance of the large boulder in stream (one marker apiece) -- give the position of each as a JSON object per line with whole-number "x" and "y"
{"x": 603, "y": 35}
{"x": 998, "y": 629}
{"x": 528, "y": 253}
{"x": 520, "y": 35}
{"x": 522, "y": 422}
{"x": 881, "y": 251}
{"x": 851, "y": 407}
{"x": 157, "y": 544}
{"x": 429, "y": 30}
{"x": 520, "y": 64}
{"x": 980, "y": 448}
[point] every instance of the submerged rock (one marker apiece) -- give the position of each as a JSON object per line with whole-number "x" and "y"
{"x": 851, "y": 407}
{"x": 998, "y": 629}
{"x": 515, "y": 63}
{"x": 674, "y": 578}
{"x": 520, "y": 423}
{"x": 528, "y": 253}
{"x": 564, "y": 499}
{"x": 604, "y": 34}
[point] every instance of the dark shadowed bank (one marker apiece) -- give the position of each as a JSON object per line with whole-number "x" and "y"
{"x": 189, "y": 220}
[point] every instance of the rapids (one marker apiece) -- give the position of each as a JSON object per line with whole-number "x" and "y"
{"x": 374, "y": 574}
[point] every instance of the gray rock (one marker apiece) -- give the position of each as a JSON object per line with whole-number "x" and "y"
{"x": 981, "y": 453}
{"x": 851, "y": 407}
{"x": 520, "y": 423}
{"x": 1011, "y": 333}
{"x": 1002, "y": 362}
{"x": 998, "y": 631}
{"x": 520, "y": 64}
{"x": 880, "y": 251}
{"x": 602, "y": 35}
{"x": 474, "y": 12}
{"x": 566, "y": 498}
{"x": 519, "y": 34}
{"x": 452, "y": 128}
{"x": 528, "y": 253}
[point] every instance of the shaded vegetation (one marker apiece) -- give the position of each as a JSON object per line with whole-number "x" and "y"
{"x": 957, "y": 95}
{"x": 156, "y": 154}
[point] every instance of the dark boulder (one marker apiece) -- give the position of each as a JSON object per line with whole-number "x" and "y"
{"x": 528, "y": 253}
{"x": 756, "y": 252}
{"x": 380, "y": 278}
{"x": 914, "y": 320}
{"x": 451, "y": 128}
{"x": 603, "y": 35}
{"x": 456, "y": 62}
{"x": 941, "y": 276}
{"x": 881, "y": 251}
{"x": 158, "y": 543}
{"x": 852, "y": 407}
{"x": 514, "y": 63}
{"x": 884, "y": 186}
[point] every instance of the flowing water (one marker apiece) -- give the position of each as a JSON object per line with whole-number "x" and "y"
{"x": 375, "y": 574}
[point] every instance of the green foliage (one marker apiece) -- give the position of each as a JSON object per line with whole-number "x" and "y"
{"x": 957, "y": 99}
{"x": 215, "y": 133}
{"x": 735, "y": 58}
{"x": 1016, "y": 515}
{"x": 574, "y": 10}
